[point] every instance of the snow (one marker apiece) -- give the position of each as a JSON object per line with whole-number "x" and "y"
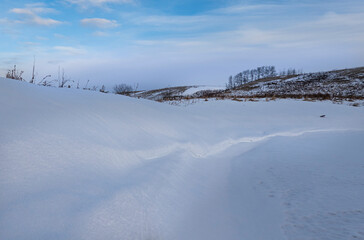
{"x": 196, "y": 89}
{"x": 85, "y": 165}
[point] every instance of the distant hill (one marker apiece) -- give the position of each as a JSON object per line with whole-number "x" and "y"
{"x": 336, "y": 85}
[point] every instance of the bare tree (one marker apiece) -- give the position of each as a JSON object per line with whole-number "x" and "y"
{"x": 229, "y": 85}
{"x": 33, "y": 75}
{"x": 238, "y": 80}
{"x": 85, "y": 88}
{"x": 62, "y": 82}
{"x": 245, "y": 76}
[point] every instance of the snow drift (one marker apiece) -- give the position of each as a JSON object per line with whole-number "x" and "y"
{"x": 86, "y": 165}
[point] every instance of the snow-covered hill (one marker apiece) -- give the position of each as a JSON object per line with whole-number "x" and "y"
{"x": 172, "y": 93}
{"x": 338, "y": 86}
{"x": 346, "y": 84}
{"x": 86, "y": 165}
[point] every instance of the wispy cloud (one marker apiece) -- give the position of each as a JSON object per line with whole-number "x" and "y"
{"x": 7, "y": 21}
{"x": 30, "y": 15}
{"x": 99, "y": 23}
{"x": 245, "y": 8}
{"x": 97, "y": 3}
{"x": 195, "y": 24}
{"x": 101, "y": 34}
{"x": 324, "y": 31}
{"x": 60, "y": 36}
{"x": 172, "y": 20}
{"x": 70, "y": 50}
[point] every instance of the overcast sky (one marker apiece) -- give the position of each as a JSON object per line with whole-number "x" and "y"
{"x": 159, "y": 43}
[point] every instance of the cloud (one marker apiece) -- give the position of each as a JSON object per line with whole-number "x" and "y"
{"x": 173, "y": 20}
{"x": 32, "y": 10}
{"x": 6, "y": 21}
{"x": 189, "y": 24}
{"x": 31, "y": 15}
{"x": 97, "y": 3}
{"x": 100, "y": 34}
{"x": 327, "y": 31}
{"x": 42, "y": 38}
{"x": 60, "y": 36}
{"x": 99, "y": 23}
{"x": 44, "y": 21}
{"x": 235, "y": 9}
{"x": 69, "y": 50}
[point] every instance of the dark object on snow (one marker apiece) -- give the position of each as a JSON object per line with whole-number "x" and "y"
{"x": 322, "y": 116}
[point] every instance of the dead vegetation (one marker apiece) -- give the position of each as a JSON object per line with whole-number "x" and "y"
{"x": 15, "y": 74}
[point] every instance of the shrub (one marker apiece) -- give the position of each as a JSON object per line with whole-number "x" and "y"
{"x": 122, "y": 89}
{"x": 103, "y": 89}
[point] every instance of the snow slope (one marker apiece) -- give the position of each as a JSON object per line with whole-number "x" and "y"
{"x": 196, "y": 89}
{"x": 86, "y": 165}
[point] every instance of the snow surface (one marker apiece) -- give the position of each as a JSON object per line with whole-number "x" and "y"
{"x": 196, "y": 89}
{"x": 85, "y": 165}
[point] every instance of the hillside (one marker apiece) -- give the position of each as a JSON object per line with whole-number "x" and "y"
{"x": 338, "y": 85}
{"x": 86, "y": 165}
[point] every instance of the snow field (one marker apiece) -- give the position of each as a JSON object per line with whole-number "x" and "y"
{"x": 85, "y": 165}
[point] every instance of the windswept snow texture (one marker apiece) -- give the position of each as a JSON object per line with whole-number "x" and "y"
{"x": 85, "y": 165}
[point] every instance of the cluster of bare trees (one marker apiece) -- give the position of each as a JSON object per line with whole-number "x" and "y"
{"x": 290, "y": 72}
{"x": 251, "y": 75}
{"x": 258, "y": 73}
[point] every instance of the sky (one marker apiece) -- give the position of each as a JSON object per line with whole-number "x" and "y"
{"x": 160, "y": 43}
